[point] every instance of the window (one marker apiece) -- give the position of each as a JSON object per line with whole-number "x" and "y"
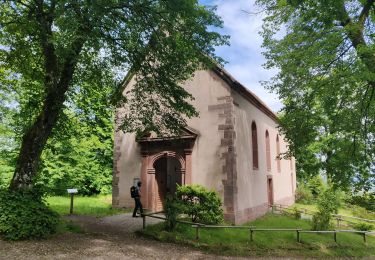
{"x": 278, "y": 159}
{"x": 254, "y": 140}
{"x": 291, "y": 164}
{"x": 268, "y": 151}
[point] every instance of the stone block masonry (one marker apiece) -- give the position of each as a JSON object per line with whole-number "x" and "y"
{"x": 225, "y": 111}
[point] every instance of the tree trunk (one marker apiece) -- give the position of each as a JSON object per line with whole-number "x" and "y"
{"x": 34, "y": 141}
{"x": 36, "y": 136}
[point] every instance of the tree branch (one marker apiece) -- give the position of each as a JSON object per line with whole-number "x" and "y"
{"x": 354, "y": 31}
{"x": 50, "y": 58}
{"x": 343, "y": 16}
{"x": 365, "y": 12}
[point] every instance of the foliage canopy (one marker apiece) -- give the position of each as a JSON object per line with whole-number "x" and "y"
{"x": 325, "y": 53}
{"x": 53, "y": 50}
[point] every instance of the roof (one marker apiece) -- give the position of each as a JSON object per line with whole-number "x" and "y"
{"x": 234, "y": 84}
{"x": 186, "y": 133}
{"x": 246, "y": 93}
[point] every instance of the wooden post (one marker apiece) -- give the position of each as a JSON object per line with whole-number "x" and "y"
{"x": 251, "y": 234}
{"x": 298, "y": 238}
{"x": 335, "y": 236}
{"x": 71, "y": 192}
{"x": 197, "y": 232}
{"x": 71, "y": 203}
{"x": 144, "y": 220}
{"x": 364, "y": 237}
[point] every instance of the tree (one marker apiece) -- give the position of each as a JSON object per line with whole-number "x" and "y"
{"x": 79, "y": 150}
{"x": 57, "y": 48}
{"x": 326, "y": 79}
{"x": 82, "y": 157}
{"x": 7, "y": 136}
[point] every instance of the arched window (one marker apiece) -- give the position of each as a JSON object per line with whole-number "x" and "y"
{"x": 268, "y": 151}
{"x": 291, "y": 163}
{"x": 254, "y": 140}
{"x": 278, "y": 159}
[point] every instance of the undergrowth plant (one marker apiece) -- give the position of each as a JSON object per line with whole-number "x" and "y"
{"x": 25, "y": 215}
{"x": 172, "y": 210}
{"x": 328, "y": 203}
{"x": 200, "y": 204}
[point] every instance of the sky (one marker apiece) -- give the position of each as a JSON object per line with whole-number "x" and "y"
{"x": 244, "y": 55}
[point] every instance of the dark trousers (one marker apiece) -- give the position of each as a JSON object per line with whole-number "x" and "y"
{"x": 138, "y": 205}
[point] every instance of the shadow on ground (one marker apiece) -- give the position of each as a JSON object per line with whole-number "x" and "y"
{"x": 103, "y": 238}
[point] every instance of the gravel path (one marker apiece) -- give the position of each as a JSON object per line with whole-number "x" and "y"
{"x": 122, "y": 224}
{"x": 106, "y": 238}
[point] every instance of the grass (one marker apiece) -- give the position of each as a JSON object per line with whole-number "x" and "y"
{"x": 98, "y": 206}
{"x": 348, "y": 210}
{"x": 342, "y": 211}
{"x": 276, "y": 244}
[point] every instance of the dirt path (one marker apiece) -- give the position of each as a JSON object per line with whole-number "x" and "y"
{"x": 107, "y": 238}
{"x": 120, "y": 225}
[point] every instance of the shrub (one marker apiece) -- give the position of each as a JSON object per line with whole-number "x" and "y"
{"x": 296, "y": 213}
{"x": 363, "y": 227}
{"x": 24, "y": 215}
{"x": 366, "y": 201}
{"x": 303, "y": 194}
{"x": 328, "y": 203}
{"x": 200, "y": 204}
{"x": 316, "y": 186}
{"x": 6, "y": 174}
{"x": 172, "y": 210}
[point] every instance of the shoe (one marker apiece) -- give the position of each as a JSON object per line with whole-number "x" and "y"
{"x": 135, "y": 216}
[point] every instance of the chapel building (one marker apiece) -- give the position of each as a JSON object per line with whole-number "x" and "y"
{"x": 232, "y": 148}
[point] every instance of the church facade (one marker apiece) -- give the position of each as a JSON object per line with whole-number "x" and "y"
{"x": 232, "y": 148}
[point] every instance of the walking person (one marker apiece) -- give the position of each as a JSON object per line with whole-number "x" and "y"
{"x": 136, "y": 194}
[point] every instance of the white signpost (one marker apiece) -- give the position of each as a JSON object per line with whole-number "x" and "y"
{"x": 72, "y": 192}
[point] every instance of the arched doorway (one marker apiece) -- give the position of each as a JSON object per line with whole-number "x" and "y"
{"x": 270, "y": 190}
{"x": 167, "y": 175}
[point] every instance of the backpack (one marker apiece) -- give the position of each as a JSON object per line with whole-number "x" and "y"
{"x": 133, "y": 192}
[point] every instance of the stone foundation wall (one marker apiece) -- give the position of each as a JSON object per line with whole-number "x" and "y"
{"x": 286, "y": 201}
{"x": 249, "y": 214}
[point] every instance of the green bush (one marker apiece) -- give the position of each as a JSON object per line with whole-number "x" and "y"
{"x": 24, "y": 215}
{"x": 172, "y": 210}
{"x": 363, "y": 227}
{"x": 296, "y": 212}
{"x": 316, "y": 185}
{"x": 200, "y": 204}
{"x": 366, "y": 200}
{"x": 303, "y": 194}
{"x": 328, "y": 203}
{"x": 6, "y": 174}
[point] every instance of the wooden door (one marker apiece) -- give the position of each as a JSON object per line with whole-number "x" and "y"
{"x": 173, "y": 175}
{"x": 167, "y": 176}
{"x": 270, "y": 191}
{"x": 161, "y": 183}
